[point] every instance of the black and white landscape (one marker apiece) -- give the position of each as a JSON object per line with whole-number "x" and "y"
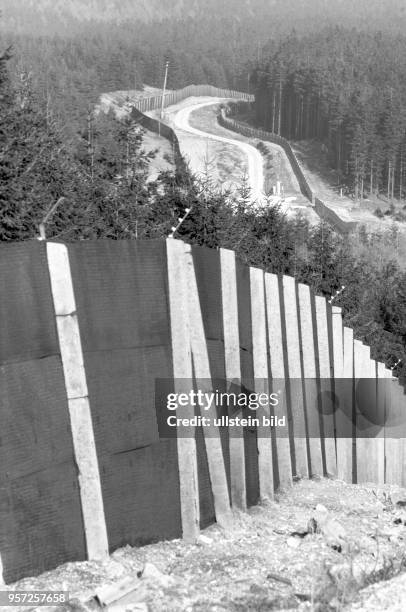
{"x": 275, "y": 129}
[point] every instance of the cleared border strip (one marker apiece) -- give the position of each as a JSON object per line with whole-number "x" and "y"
{"x": 78, "y": 402}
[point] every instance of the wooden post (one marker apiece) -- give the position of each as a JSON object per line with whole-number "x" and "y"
{"x": 261, "y": 376}
{"x": 310, "y": 379}
{"x": 183, "y": 378}
{"x": 275, "y": 345}
{"x": 297, "y": 407}
{"x": 201, "y": 365}
{"x": 78, "y": 402}
{"x": 325, "y": 371}
{"x": 233, "y": 372}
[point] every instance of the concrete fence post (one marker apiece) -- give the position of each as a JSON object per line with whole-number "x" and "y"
{"x": 394, "y": 431}
{"x": 344, "y": 414}
{"x": 261, "y": 380}
{"x": 382, "y": 408}
{"x": 183, "y": 379}
{"x": 369, "y": 450}
{"x": 294, "y": 368}
{"x": 201, "y": 364}
{"x": 337, "y": 341}
{"x": 277, "y": 363}
{"x": 233, "y": 372}
{"x": 78, "y": 401}
{"x": 325, "y": 371}
{"x": 307, "y": 342}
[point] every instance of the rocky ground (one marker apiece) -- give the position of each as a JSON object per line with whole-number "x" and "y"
{"x": 321, "y": 546}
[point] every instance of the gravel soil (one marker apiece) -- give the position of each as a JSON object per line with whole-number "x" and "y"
{"x": 318, "y": 546}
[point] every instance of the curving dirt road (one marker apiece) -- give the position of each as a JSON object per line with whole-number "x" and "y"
{"x": 254, "y": 158}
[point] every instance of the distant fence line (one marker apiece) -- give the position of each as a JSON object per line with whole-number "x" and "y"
{"x": 324, "y": 211}
{"x": 86, "y": 331}
{"x": 155, "y": 103}
{"x": 154, "y": 125}
{"x": 173, "y": 97}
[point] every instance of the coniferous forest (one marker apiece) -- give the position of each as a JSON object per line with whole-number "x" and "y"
{"x": 343, "y": 85}
{"x": 346, "y": 89}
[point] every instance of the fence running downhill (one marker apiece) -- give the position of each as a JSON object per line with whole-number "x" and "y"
{"x": 87, "y": 329}
{"x": 155, "y": 102}
{"x": 173, "y": 97}
{"x": 320, "y": 207}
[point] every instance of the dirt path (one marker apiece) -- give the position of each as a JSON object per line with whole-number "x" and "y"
{"x": 253, "y": 158}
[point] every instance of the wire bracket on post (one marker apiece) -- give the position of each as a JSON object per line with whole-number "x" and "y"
{"x": 41, "y": 226}
{"x": 337, "y": 293}
{"x": 180, "y": 221}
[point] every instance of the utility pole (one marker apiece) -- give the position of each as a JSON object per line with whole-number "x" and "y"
{"x": 164, "y": 89}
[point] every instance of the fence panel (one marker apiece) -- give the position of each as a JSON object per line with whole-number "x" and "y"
{"x": 122, "y": 303}
{"x": 152, "y": 310}
{"x": 40, "y": 512}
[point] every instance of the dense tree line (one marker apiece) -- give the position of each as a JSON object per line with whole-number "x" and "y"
{"x": 102, "y": 180}
{"x": 69, "y": 72}
{"x": 346, "y": 89}
{"x": 65, "y": 16}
